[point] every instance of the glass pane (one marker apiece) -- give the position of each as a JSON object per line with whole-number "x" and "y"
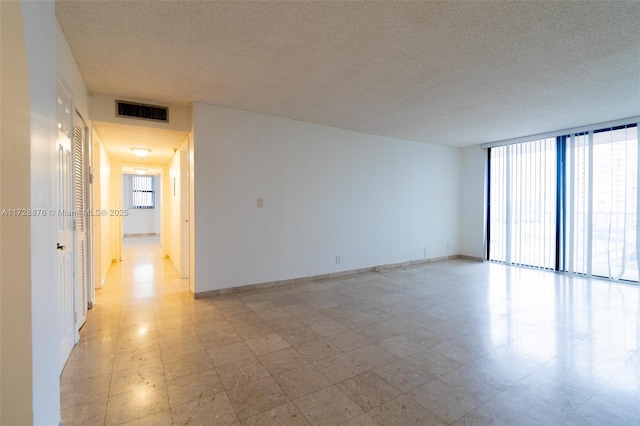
{"x": 615, "y": 173}
{"x": 522, "y": 197}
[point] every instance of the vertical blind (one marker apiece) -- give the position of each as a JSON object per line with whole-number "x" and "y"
{"x": 522, "y": 203}
{"x": 567, "y": 203}
{"x": 142, "y": 194}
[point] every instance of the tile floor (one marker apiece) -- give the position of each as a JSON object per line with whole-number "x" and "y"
{"x": 455, "y": 342}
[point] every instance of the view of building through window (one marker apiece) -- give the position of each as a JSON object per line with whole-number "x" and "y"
{"x": 567, "y": 203}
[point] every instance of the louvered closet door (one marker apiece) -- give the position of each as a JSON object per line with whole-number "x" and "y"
{"x": 80, "y": 176}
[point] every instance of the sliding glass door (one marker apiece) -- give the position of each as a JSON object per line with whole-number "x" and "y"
{"x": 522, "y": 203}
{"x": 567, "y": 203}
{"x": 602, "y": 202}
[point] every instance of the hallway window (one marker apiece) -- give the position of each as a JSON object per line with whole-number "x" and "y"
{"x": 142, "y": 192}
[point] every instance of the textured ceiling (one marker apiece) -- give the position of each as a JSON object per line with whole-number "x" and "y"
{"x": 453, "y": 73}
{"x": 119, "y": 139}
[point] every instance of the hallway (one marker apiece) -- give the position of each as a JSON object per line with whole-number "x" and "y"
{"x": 453, "y": 342}
{"x": 120, "y": 354}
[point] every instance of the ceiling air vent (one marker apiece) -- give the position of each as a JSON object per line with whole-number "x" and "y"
{"x": 142, "y": 111}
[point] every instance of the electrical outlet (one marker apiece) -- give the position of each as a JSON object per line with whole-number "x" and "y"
{"x": 424, "y": 256}
{"x": 260, "y": 203}
{"x": 337, "y": 260}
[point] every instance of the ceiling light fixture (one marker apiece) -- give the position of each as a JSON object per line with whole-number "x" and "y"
{"x": 141, "y": 152}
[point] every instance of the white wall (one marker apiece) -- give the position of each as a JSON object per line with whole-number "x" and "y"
{"x": 472, "y": 201}
{"x": 103, "y": 226}
{"x": 141, "y": 221}
{"x": 69, "y": 75}
{"x": 40, "y": 29}
{"x": 30, "y": 380}
{"x": 16, "y": 362}
{"x": 327, "y": 192}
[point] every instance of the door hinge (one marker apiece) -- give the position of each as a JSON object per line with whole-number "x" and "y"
{"x": 75, "y": 317}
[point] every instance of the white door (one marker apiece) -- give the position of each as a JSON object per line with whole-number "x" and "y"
{"x": 64, "y": 224}
{"x": 184, "y": 211}
{"x": 81, "y": 197}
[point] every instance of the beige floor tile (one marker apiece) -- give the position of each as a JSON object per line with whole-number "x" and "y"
{"x": 474, "y": 383}
{"x": 206, "y": 326}
{"x": 274, "y": 313}
{"x": 256, "y": 397}
{"x": 433, "y": 362}
{"x": 536, "y": 400}
{"x": 85, "y": 391}
{"x": 368, "y": 390}
{"x": 328, "y": 328}
{"x": 193, "y": 387}
{"x": 400, "y": 346}
{"x": 136, "y": 404}
{"x": 285, "y": 323}
{"x": 373, "y": 356}
{"x": 299, "y": 335}
{"x": 301, "y": 381}
{"x": 185, "y": 365}
{"x": 535, "y": 349}
{"x": 92, "y": 349}
{"x": 312, "y": 317}
{"x": 242, "y": 318}
{"x": 179, "y": 347}
{"x": 350, "y": 340}
{"x": 82, "y": 415}
{"x": 340, "y": 367}
{"x": 212, "y": 410}
{"x": 266, "y": 344}
{"x": 221, "y": 337}
{"x": 144, "y": 336}
{"x": 298, "y": 308}
{"x": 425, "y": 337}
{"x": 597, "y": 413}
{"x": 230, "y": 353}
{"x": 282, "y": 360}
{"x": 162, "y": 418}
{"x": 622, "y": 390}
{"x": 328, "y": 407}
{"x": 375, "y": 331}
{"x": 457, "y": 351}
{"x": 212, "y": 314}
{"x": 241, "y": 372}
{"x": 361, "y": 420}
{"x": 403, "y": 375}
{"x": 179, "y": 332}
{"x": 443, "y": 400}
{"x": 482, "y": 416}
{"x": 253, "y": 330}
{"x": 285, "y": 415}
{"x": 133, "y": 378}
{"x": 404, "y": 411}
{"x": 318, "y": 349}
{"x": 87, "y": 368}
{"x": 137, "y": 357}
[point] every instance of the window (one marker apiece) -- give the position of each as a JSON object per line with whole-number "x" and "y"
{"x": 142, "y": 192}
{"x": 567, "y": 203}
{"x": 522, "y": 203}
